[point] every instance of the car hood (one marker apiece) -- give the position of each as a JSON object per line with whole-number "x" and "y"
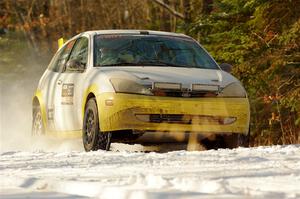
{"x": 185, "y": 76}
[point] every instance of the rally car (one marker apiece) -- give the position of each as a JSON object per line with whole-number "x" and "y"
{"x": 122, "y": 84}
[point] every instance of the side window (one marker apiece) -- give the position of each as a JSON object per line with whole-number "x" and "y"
{"x": 58, "y": 61}
{"x": 79, "y": 53}
{"x": 63, "y": 57}
{"x": 51, "y": 66}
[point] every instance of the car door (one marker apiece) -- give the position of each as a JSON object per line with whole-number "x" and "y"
{"x": 69, "y": 91}
{"x": 50, "y": 83}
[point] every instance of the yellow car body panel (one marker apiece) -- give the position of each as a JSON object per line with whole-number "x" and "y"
{"x": 122, "y": 114}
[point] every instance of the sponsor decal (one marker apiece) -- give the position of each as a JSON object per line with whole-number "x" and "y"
{"x": 67, "y": 94}
{"x": 50, "y": 114}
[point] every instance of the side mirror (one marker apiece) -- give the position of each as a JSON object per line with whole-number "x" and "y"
{"x": 226, "y": 67}
{"x": 74, "y": 65}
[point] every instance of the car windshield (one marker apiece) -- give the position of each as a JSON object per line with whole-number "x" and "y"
{"x": 150, "y": 50}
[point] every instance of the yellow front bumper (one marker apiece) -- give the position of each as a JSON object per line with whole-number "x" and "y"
{"x": 119, "y": 112}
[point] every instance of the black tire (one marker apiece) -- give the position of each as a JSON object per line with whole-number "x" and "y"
{"x": 236, "y": 140}
{"x": 38, "y": 128}
{"x": 232, "y": 141}
{"x": 93, "y": 139}
{"x": 242, "y": 140}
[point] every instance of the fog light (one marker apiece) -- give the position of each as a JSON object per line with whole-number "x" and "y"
{"x": 143, "y": 117}
{"x": 163, "y": 85}
{"x": 229, "y": 120}
{"x": 202, "y": 87}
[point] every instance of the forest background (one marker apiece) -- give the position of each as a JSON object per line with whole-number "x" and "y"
{"x": 260, "y": 38}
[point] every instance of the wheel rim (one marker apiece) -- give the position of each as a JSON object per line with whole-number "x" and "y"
{"x": 38, "y": 124}
{"x": 90, "y": 127}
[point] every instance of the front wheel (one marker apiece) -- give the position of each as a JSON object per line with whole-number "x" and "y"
{"x": 93, "y": 138}
{"x": 237, "y": 140}
{"x": 234, "y": 140}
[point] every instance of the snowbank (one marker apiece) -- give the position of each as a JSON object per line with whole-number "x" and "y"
{"x": 263, "y": 172}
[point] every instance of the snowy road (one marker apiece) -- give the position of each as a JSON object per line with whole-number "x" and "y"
{"x": 263, "y": 172}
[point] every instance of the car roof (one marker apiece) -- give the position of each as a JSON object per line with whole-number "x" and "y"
{"x": 126, "y": 31}
{"x": 120, "y": 31}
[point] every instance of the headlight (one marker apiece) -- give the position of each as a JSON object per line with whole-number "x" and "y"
{"x": 129, "y": 86}
{"x": 233, "y": 90}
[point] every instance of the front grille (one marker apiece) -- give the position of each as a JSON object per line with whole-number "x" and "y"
{"x": 175, "y": 118}
{"x": 180, "y": 93}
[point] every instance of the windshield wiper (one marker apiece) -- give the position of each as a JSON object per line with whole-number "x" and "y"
{"x": 120, "y": 64}
{"x": 147, "y": 63}
{"x": 143, "y": 63}
{"x": 161, "y": 63}
{"x": 152, "y": 63}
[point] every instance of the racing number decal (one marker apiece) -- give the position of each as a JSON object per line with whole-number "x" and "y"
{"x": 67, "y": 94}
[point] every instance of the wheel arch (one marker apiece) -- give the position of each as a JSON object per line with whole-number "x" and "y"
{"x": 86, "y": 99}
{"x": 90, "y": 92}
{"x": 89, "y": 96}
{"x": 37, "y": 102}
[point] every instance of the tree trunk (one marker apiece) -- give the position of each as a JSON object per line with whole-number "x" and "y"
{"x": 166, "y": 20}
{"x": 207, "y": 7}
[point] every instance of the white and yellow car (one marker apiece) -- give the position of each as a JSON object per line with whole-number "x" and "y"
{"x": 120, "y": 84}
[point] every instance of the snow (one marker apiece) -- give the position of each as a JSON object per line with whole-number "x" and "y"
{"x": 261, "y": 172}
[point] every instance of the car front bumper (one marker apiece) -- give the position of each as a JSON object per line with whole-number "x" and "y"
{"x": 173, "y": 114}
